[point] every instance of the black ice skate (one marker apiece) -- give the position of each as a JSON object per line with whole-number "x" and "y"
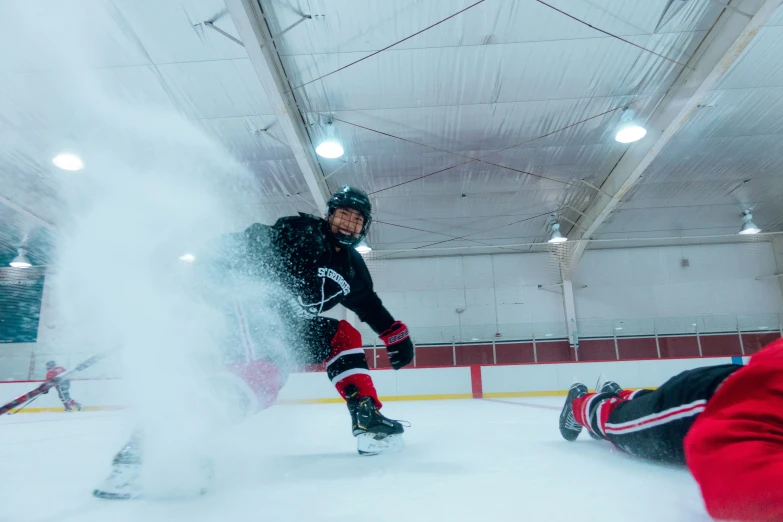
{"x": 609, "y": 387}
{"x": 123, "y": 482}
{"x": 569, "y": 428}
{"x": 605, "y": 386}
{"x": 374, "y": 433}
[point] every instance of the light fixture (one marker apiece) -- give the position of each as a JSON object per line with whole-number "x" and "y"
{"x": 188, "y": 258}
{"x": 363, "y": 247}
{"x": 68, "y": 161}
{"x": 329, "y": 148}
{"x": 619, "y": 328}
{"x": 629, "y": 131}
{"x": 556, "y": 236}
{"x": 21, "y": 261}
{"x": 548, "y": 335}
{"x": 748, "y": 226}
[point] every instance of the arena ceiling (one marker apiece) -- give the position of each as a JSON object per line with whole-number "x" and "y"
{"x": 472, "y": 126}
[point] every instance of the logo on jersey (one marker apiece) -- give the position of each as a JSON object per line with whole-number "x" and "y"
{"x": 313, "y": 309}
{"x": 337, "y": 278}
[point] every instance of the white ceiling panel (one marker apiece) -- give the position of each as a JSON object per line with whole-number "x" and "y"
{"x": 48, "y": 34}
{"x": 505, "y": 74}
{"x": 52, "y": 99}
{"x": 216, "y": 89}
{"x": 242, "y": 138}
{"x": 366, "y": 26}
{"x": 169, "y": 30}
{"x": 484, "y": 126}
{"x": 755, "y": 68}
{"x": 481, "y": 75}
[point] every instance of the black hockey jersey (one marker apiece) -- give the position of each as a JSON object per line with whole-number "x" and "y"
{"x": 297, "y": 252}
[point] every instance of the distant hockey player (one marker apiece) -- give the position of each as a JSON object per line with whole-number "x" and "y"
{"x": 63, "y": 387}
{"x": 725, "y": 422}
{"x": 315, "y": 261}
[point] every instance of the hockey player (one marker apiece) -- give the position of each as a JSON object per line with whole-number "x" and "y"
{"x": 725, "y": 422}
{"x": 63, "y": 386}
{"x": 315, "y": 261}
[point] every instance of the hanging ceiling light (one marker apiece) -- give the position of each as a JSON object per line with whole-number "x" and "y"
{"x": 556, "y": 236}
{"x": 21, "y": 261}
{"x": 68, "y": 161}
{"x": 748, "y": 226}
{"x": 629, "y": 131}
{"x": 329, "y": 148}
{"x": 188, "y": 258}
{"x": 363, "y": 247}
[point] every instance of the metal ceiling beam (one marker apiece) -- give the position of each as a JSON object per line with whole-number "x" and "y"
{"x": 221, "y": 31}
{"x": 253, "y": 30}
{"x": 212, "y": 26}
{"x": 723, "y": 46}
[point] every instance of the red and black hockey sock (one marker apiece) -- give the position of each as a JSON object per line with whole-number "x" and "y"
{"x": 347, "y": 363}
{"x": 592, "y": 410}
{"x": 633, "y": 394}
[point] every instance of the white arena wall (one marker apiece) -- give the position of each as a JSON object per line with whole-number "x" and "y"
{"x": 412, "y": 384}
{"x": 499, "y": 298}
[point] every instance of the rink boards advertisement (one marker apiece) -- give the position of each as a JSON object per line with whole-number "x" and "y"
{"x": 21, "y": 291}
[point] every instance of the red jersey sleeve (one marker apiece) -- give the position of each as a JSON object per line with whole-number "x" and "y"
{"x": 54, "y": 372}
{"x": 735, "y": 448}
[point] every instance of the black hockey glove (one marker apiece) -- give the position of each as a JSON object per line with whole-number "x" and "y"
{"x": 398, "y": 345}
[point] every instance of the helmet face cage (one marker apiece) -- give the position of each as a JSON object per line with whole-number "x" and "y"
{"x": 50, "y": 365}
{"x": 355, "y": 199}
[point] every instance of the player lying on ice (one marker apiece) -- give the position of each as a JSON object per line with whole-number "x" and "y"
{"x": 315, "y": 261}
{"x": 725, "y": 422}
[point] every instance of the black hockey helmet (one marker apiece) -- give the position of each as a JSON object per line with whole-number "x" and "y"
{"x": 356, "y": 199}
{"x": 50, "y": 365}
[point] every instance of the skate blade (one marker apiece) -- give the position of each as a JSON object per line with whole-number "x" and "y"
{"x": 368, "y": 445}
{"x": 107, "y": 495}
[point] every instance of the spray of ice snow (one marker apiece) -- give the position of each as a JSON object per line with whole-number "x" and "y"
{"x": 154, "y": 187}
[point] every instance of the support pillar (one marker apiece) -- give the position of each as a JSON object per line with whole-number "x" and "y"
{"x": 570, "y": 317}
{"x": 777, "y": 247}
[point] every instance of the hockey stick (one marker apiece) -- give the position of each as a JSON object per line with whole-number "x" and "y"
{"x": 44, "y": 388}
{"x": 23, "y": 406}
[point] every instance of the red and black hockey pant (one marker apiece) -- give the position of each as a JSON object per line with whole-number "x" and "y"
{"x": 334, "y": 343}
{"x": 64, "y": 392}
{"x": 338, "y": 345}
{"x": 652, "y": 424}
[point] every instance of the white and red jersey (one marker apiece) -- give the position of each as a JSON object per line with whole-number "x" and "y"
{"x": 54, "y": 372}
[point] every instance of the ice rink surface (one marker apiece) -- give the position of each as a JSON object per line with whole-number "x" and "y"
{"x": 492, "y": 460}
